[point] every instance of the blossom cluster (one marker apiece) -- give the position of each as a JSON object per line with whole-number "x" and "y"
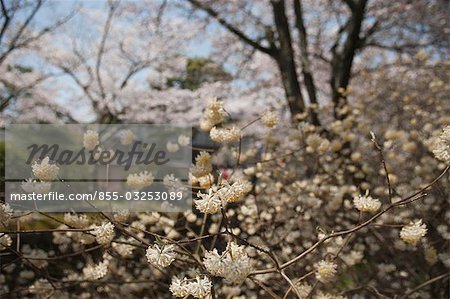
{"x": 199, "y": 287}
{"x": 217, "y": 196}
{"x": 233, "y": 264}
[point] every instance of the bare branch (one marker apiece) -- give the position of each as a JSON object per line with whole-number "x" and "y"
{"x": 101, "y": 49}
{"x": 426, "y": 283}
{"x": 6, "y": 21}
{"x": 215, "y": 15}
{"x": 405, "y": 200}
{"x": 12, "y": 44}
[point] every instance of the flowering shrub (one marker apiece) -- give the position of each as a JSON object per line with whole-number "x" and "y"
{"x": 326, "y": 170}
{"x": 292, "y": 218}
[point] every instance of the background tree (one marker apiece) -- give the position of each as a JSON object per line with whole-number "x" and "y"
{"x": 298, "y": 38}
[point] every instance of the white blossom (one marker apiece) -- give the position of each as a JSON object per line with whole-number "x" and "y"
{"x": 5, "y": 241}
{"x": 206, "y": 181}
{"x": 76, "y": 220}
{"x": 90, "y": 140}
{"x": 413, "y": 232}
{"x": 41, "y": 287}
{"x": 317, "y": 144}
{"x": 161, "y": 256}
{"x": 33, "y": 186}
{"x": 209, "y": 203}
{"x": 126, "y": 137}
{"x": 233, "y": 264}
{"x": 203, "y": 165}
{"x": 45, "y": 171}
{"x": 269, "y": 119}
{"x": 179, "y": 287}
{"x": 353, "y": 257}
{"x": 122, "y": 248}
{"x": 172, "y": 147}
{"x": 303, "y": 290}
{"x": 365, "y": 203}
{"x": 173, "y": 184}
{"x": 184, "y": 140}
{"x": 431, "y": 254}
{"x": 199, "y": 287}
{"x": 214, "y": 114}
{"x": 5, "y": 212}
{"x": 93, "y": 272}
{"x": 234, "y": 192}
{"x": 325, "y": 270}
{"x": 441, "y": 149}
{"x": 323, "y": 295}
{"x": 140, "y": 180}
{"x": 121, "y": 215}
{"x": 225, "y": 135}
{"x": 104, "y": 233}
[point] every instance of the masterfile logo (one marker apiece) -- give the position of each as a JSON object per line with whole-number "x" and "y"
{"x": 62, "y": 168}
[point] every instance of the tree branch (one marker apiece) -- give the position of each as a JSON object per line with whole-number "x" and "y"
{"x": 215, "y": 15}
{"x": 101, "y": 49}
{"x": 6, "y": 22}
{"x": 19, "y": 33}
{"x": 426, "y": 283}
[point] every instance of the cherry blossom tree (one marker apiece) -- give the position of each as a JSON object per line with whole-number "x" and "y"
{"x": 327, "y": 38}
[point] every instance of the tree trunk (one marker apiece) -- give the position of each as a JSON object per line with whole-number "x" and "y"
{"x": 305, "y": 62}
{"x": 285, "y": 60}
{"x": 342, "y": 61}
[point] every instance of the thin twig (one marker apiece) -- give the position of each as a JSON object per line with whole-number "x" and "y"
{"x": 383, "y": 162}
{"x": 426, "y": 283}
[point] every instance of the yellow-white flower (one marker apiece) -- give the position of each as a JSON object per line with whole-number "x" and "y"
{"x": 76, "y": 220}
{"x": 172, "y": 183}
{"x": 45, "y": 171}
{"x": 206, "y": 181}
{"x": 161, "y": 256}
{"x": 31, "y": 186}
{"x": 441, "y": 148}
{"x": 42, "y": 288}
{"x": 413, "y": 232}
{"x": 123, "y": 249}
{"x": 234, "y": 192}
{"x": 5, "y": 241}
{"x": 209, "y": 203}
{"x": 214, "y": 114}
{"x": 90, "y": 140}
{"x": 317, "y": 144}
{"x": 179, "y": 287}
{"x": 104, "y": 233}
{"x": 269, "y": 119}
{"x": 203, "y": 165}
{"x": 365, "y": 203}
{"x": 325, "y": 270}
{"x": 225, "y": 135}
{"x": 126, "y": 137}
{"x": 233, "y": 264}
{"x": 184, "y": 140}
{"x": 93, "y": 272}
{"x": 5, "y": 212}
{"x": 199, "y": 287}
{"x": 140, "y": 180}
{"x": 172, "y": 147}
{"x": 121, "y": 215}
